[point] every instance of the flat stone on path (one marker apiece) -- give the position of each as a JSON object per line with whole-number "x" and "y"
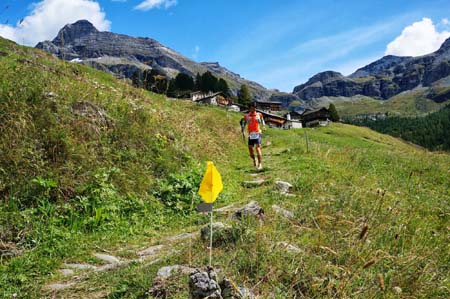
{"x": 60, "y": 286}
{"x": 180, "y": 237}
{"x": 151, "y": 250}
{"x": 251, "y": 209}
{"x": 252, "y": 184}
{"x": 66, "y": 272}
{"x": 80, "y": 266}
{"x": 107, "y": 258}
{"x": 167, "y": 271}
{"x": 114, "y": 266}
{"x": 284, "y": 212}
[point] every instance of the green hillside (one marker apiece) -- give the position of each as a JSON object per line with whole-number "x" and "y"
{"x": 410, "y": 103}
{"x": 91, "y": 165}
{"x": 431, "y": 131}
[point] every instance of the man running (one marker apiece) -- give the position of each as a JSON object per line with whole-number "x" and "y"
{"x": 253, "y": 119}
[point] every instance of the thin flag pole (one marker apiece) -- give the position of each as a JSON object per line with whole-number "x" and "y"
{"x": 210, "y": 235}
{"x": 211, "y": 227}
{"x": 210, "y": 239}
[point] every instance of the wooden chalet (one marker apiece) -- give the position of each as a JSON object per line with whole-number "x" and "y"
{"x": 223, "y": 101}
{"x": 317, "y": 117}
{"x": 274, "y": 121}
{"x": 268, "y": 106}
{"x": 211, "y": 98}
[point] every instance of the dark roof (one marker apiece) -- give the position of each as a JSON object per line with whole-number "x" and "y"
{"x": 293, "y": 113}
{"x": 315, "y": 110}
{"x": 264, "y": 102}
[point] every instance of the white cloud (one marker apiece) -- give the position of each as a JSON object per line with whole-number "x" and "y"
{"x": 417, "y": 39}
{"x": 7, "y": 32}
{"x": 150, "y": 4}
{"x": 445, "y": 21}
{"x": 49, "y": 16}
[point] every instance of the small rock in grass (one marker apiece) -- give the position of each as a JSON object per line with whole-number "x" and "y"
{"x": 252, "y": 184}
{"x": 251, "y": 209}
{"x": 289, "y": 247}
{"x": 150, "y": 251}
{"x": 107, "y": 258}
{"x": 167, "y": 271}
{"x": 284, "y": 187}
{"x": 80, "y": 266}
{"x": 66, "y": 272}
{"x": 284, "y": 212}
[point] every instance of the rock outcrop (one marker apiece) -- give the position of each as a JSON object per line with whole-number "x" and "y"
{"x": 203, "y": 284}
{"x": 381, "y": 79}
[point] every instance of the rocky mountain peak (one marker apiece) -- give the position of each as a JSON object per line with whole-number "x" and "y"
{"x": 381, "y": 66}
{"x": 211, "y": 64}
{"x": 320, "y": 78}
{"x": 128, "y": 56}
{"x": 74, "y": 31}
{"x": 445, "y": 47}
{"x": 326, "y": 76}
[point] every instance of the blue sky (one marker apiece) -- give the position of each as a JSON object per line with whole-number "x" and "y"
{"x": 279, "y": 44}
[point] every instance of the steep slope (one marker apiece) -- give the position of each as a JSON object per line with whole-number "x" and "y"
{"x": 384, "y": 78}
{"x": 88, "y": 162}
{"x": 431, "y": 131}
{"x": 91, "y": 165}
{"x": 380, "y": 67}
{"x": 125, "y": 55}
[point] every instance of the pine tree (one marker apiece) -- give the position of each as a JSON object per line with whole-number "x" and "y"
{"x": 222, "y": 86}
{"x": 171, "y": 90}
{"x": 161, "y": 84}
{"x": 208, "y": 82}
{"x": 244, "y": 96}
{"x": 136, "y": 80}
{"x": 333, "y": 113}
{"x": 148, "y": 80}
{"x": 184, "y": 82}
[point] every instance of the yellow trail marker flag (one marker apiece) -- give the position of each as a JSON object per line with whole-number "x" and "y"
{"x": 211, "y": 184}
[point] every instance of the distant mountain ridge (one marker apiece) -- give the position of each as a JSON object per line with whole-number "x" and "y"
{"x": 381, "y": 79}
{"x": 126, "y": 55}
